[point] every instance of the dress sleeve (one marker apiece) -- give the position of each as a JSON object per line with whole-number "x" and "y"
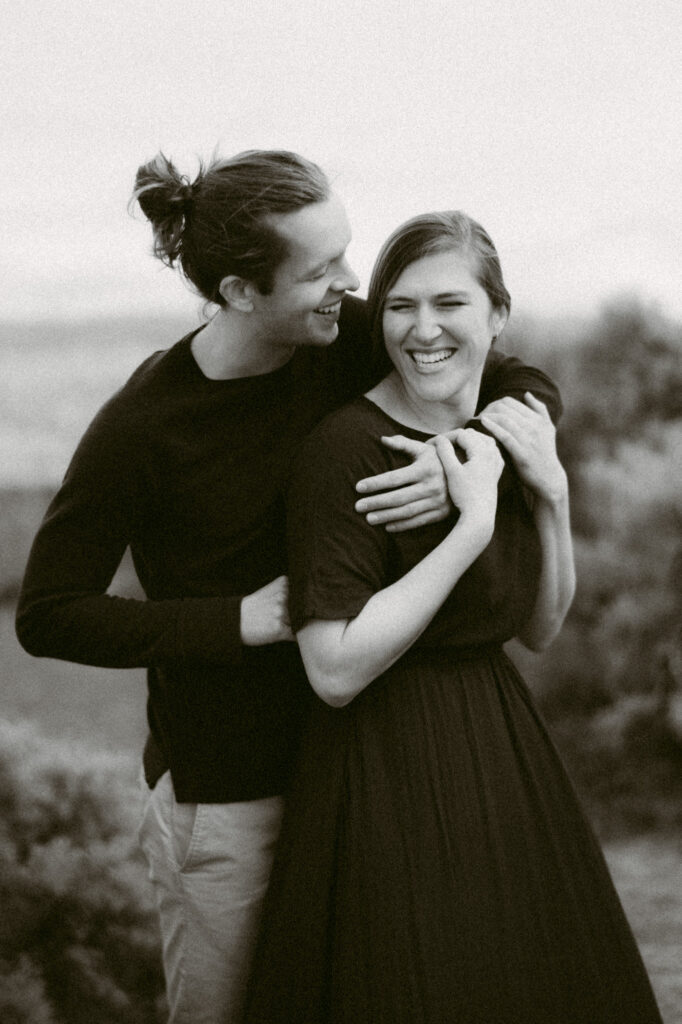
{"x": 336, "y": 560}
{"x": 64, "y": 611}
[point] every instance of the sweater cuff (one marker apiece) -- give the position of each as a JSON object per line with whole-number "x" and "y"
{"x": 209, "y": 630}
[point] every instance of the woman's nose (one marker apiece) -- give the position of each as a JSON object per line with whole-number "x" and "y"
{"x": 426, "y": 327}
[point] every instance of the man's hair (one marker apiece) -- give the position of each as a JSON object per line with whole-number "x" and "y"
{"x": 219, "y": 224}
{"x": 425, "y": 235}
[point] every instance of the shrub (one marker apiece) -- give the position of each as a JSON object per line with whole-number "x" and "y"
{"x": 78, "y": 933}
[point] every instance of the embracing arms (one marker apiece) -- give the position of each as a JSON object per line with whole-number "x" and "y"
{"x": 65, "y": 610}
{"x": 343, "y": 656}
{"x": 526, "y": 431}
{"x": 417, "y": 494}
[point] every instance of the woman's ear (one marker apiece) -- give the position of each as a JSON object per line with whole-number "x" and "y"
{"x": 237, "y": 292}
{"x": 498, "y": 322}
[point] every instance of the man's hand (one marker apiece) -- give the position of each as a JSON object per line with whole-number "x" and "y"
{"x": 265, "y": 614}
{"x": 408, "y": 497}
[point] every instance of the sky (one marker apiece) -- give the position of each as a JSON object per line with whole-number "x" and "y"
{"x": 556, "y": 125}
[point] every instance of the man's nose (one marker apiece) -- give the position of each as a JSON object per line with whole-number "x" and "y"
{"x": 347, "y": 280}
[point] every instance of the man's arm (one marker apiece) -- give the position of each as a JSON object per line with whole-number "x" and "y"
{"x": 416, "y": 494}
{"x": 508, "y": 377}
{"x": 64, "y": 610}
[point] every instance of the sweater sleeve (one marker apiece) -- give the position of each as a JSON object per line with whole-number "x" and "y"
{"x": 64, "y": 610}
{"x": 506, "y": 376}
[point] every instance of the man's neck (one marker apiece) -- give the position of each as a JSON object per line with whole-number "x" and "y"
{"x": 228, "y": 348}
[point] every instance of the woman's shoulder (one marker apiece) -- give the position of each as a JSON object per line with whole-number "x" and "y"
{"x": 359, "y": 423}
{"x": 349, "y": 438}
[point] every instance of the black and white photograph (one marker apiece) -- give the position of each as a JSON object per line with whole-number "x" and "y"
{"x": 341, "y": 513}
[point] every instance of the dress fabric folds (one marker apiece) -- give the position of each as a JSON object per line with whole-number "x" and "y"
{"x": 435, "y": 866}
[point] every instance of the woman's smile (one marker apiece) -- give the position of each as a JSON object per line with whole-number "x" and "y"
{"x": 438, "y": 323}
{"x": 428, "y": 359}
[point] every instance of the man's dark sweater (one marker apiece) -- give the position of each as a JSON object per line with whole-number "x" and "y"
{"x": 190, "y": 473}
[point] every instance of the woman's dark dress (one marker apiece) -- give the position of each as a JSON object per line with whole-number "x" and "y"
{"x": 434, "y": 865}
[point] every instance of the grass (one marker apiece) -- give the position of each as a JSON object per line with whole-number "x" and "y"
{"x": 648, "y": 875}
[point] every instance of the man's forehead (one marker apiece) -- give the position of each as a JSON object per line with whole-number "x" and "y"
{"x": 316, "y": 231}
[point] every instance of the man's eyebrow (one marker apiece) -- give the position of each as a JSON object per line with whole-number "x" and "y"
{"x": 320, "y": 265}
{"x": 326, "y": 262}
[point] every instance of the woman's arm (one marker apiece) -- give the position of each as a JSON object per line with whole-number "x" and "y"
{"x": 343, "y": 656}
{"x": 527, "y": 432}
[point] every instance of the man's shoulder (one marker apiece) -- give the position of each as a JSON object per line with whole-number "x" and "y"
{"x": 132, "y": 410}
{"x": 347, "y": 361}
{"x": 353, "y": 309}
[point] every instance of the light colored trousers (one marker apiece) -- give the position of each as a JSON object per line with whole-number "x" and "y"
{"x": 209, "y": 865}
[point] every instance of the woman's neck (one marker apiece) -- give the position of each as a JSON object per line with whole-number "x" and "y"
{"x": 226, "y": 349}
{"x": 431, "y": 417}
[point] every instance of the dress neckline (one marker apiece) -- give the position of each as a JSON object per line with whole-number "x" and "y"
{"x": 403, "y": 428}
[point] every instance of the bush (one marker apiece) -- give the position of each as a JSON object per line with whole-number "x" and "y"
{"x": 78, "y": 933}
{"x": 611, "y": 684}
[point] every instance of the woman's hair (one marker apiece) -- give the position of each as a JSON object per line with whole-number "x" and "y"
{"x": 218, "y": 224}
{"x": 425, "y": 235}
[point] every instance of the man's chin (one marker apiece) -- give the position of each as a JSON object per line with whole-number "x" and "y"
{"x": 323, "y": 338}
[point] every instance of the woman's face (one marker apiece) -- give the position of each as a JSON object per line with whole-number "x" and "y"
{"x": 438, "y": 323}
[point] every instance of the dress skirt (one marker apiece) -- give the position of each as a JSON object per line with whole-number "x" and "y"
{"x": 435, "y": 866}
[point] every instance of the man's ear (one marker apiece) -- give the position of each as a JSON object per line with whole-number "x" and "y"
{"x": 238, "y": 293}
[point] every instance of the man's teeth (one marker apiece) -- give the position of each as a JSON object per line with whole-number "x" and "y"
{"x": 425, "y": 358}
{"x": 329, "y": 309}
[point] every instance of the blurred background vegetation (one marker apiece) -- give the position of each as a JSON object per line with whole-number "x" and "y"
{"x": 78, "y": 939}
{"x": 611, "y": 684}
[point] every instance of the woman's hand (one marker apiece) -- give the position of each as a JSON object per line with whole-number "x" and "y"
{"x": 265, "y": 614}
{"x": 472, "y": 484}
{"x": 529, "y": 435}
{"x": 410, "y": 496}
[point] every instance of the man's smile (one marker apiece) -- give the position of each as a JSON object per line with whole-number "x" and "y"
{"x": 330, "y": 310}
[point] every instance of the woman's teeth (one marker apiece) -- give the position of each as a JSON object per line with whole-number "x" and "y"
{"x": 426, "y": 358}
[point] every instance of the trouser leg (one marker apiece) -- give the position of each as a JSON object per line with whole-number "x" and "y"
{"x": 209, "y": 865}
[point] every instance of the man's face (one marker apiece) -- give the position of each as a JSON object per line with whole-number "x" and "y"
{"x": 304, "y": 304}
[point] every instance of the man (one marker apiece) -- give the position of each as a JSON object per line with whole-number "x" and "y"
{"x": 187, "y": 465}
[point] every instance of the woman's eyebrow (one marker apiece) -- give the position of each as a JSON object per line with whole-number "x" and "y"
{"x": 460, "y": 294}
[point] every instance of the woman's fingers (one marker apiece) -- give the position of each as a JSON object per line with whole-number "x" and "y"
{"x": 504, "y": 430}
{"x": 472, "y": 441}
{"x": 536, "y": 404}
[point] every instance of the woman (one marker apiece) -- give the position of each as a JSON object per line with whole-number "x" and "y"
{"x": 434, "y": 864}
